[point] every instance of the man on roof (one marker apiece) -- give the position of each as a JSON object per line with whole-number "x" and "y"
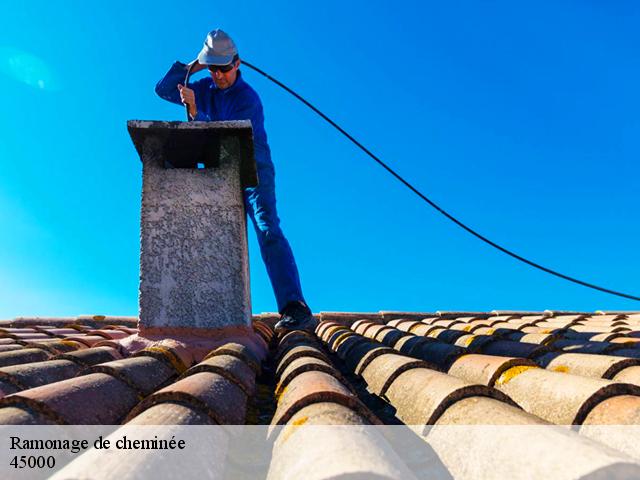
{"x": 225, "y": 95}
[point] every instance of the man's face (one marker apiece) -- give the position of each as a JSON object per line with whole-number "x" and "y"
{"x": 224, "y": 79}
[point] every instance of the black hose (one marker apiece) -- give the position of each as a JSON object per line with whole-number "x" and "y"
{"x": 186, "y": 84}
{"x": 432, "y": 203}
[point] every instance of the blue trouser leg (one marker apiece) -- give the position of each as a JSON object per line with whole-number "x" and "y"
{"x": 260, "y": 204}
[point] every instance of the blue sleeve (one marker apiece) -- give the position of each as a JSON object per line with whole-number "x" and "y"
{"x": 167, "y": 88}
{"x": 247, "y": 107}
{"x": 201, "y": 116}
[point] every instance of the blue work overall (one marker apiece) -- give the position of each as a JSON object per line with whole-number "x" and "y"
{"x": 241, "y": 102}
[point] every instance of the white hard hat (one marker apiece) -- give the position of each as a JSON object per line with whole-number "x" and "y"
{"x": 218, "y": 49}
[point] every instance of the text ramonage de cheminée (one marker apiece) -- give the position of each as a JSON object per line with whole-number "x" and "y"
{"x": 75, "y": 445}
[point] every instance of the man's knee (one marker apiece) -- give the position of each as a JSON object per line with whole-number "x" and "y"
{"x": 270, "y": 234}
{"x": 266, "y": 220}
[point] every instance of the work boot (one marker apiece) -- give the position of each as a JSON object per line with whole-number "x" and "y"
{"x": 296, "y": 316}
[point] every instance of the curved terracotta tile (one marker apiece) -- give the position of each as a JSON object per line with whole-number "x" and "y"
{"x": 586, "y": 365}
{"x": 24, "y": 416}
{"x": 484, "y": 369}
{"x": 263, "y": 330}
{"x": 88, "y": 340}
{"x": 580, "y": 346}
{"x": 56, "y": 346}
{"x": 407, "y": 343}
{"x": 25, "y": 355}
{"x": 446, "y": 323}
{"x": 30, "y": 337}
{"x": 389, "y": 337}
{"x": 401, "y": 321}
{"x": 315, "y": 387}
{"x": 374, "y": 330}
{"x": 619, "y": 410}
{"x": 171, "y": 414}
{"x": 294, "y": 338}
{"x": 362, "y": 354}
{"x": 78, "y": 327}
{"x": 94, "y": 399}
{"x": 90, "y": 356}
{"x": 240, "y": 351}
{"x": 508, "y": 348}
{"x": 338, "y": 338}
{"x": 464, "y": 327}
{"x": 298, "y": 352}
{"x": 333, "y": 452}
{"x": 167, "y": 355}
{"x": 230, "y": 367}
{"x": 129, "y": 330}
{"x": 301, "y": 365}
{"x": 433, "y": 332}
{"x": 628, "y": 375}
{"x": 586, "y": 336}
{"x": 421, "y": 396}
{"x": 221, "y": 399}
{"x": 330, "y": 330}
{"x": 484, "y": 330}
{"x": 359, "y": 325}
{"x": 144, "y": 374}
{"x": 55, "y": 332}
{"x": 99, "y": 320}
{"x": 387, "y": 316}
{"x": 269, "y": 326}
{"x": 603, "y": 317}
{"x": 308, "y": 346}
{"x": 508, "y": 334}
{"x": 384, "y": 369}
{"x": 15, "y": 331}
{"x": 325, "y": 413}
{"x": 438, "y": 354}
{"x": 539, "y": 338}
{"x": 11, "y": 347}
{"x": 473, "y": 343}
{"x": 423, "y": 329}
{"x": 405, "y": 326}
{"x": 558, "y": 397}
{"x": 347, "y": 318}
{"x": 477, "y": 410}
{"x": 625, "y": 352}
{"x": 595, "y": 329}
{"x": 349, "y": 342}
{"x": 448, "y": 336}
{"x": 30, "y": 375}
{"x": 109, "y": 334}
{"x": 632, "y": 341}
{"x": 322, "y": 326}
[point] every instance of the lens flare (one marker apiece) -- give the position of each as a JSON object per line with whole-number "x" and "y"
{"x": 27, "y": 68}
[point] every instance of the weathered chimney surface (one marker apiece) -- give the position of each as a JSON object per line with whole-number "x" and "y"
{"x": 194, "y": 270}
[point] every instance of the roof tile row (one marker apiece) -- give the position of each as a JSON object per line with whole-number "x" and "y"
{"x": 217, "y": 387}
{"x": 312, "y": 392}
{"x": 551, "y": 395}
{"x": 424, "y": 395}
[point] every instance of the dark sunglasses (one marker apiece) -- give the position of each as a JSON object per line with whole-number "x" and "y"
{"x": 222, "y": 68}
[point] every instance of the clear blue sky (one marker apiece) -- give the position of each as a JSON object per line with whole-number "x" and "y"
{"x": 521, "y": 120}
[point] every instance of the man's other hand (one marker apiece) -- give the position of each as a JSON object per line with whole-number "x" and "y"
{"x": 188, "y": 98}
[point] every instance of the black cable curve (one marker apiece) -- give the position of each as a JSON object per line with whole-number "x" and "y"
{"x": 186, "y": 84}
{"x": 431, "y": 202}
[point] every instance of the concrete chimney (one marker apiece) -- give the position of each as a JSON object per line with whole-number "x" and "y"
{"x": 194, "y": 267}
